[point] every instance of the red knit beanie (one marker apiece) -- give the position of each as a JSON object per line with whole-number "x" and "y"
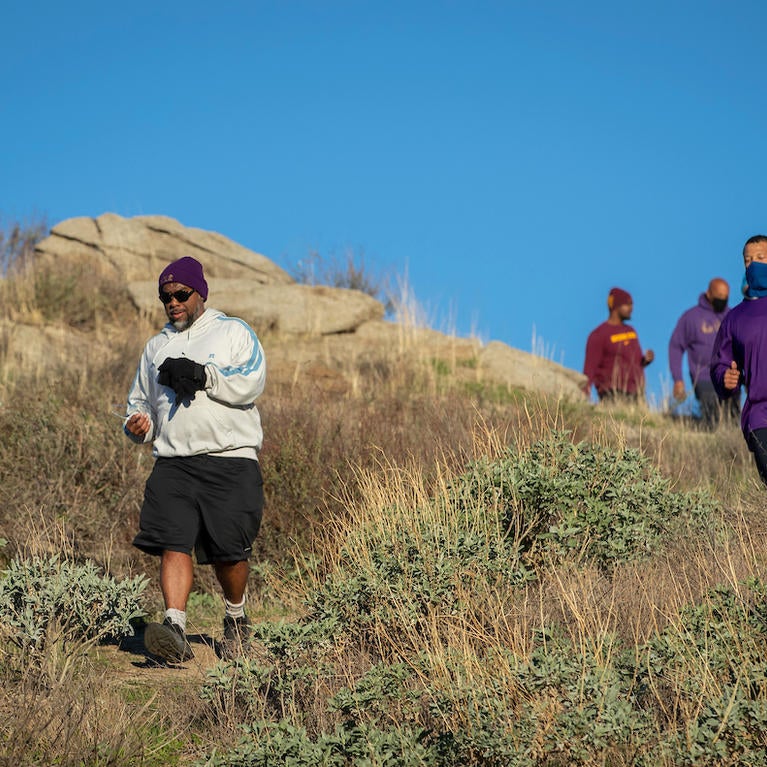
{"x": 618, "y": 297}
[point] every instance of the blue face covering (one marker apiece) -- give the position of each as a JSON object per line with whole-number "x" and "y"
{"x": 756, "y": 276}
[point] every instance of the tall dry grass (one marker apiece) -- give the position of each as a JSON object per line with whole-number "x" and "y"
{"x": 634, "y": 600}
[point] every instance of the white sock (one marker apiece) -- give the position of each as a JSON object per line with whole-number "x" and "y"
{"x": 235, "y": 610}
{"x": 177, "y": 616}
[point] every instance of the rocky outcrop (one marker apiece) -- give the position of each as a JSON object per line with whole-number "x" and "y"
{"x": 324, "y": 334}
{"x": 133, "y": 249}
{"x": 294, "y": 309}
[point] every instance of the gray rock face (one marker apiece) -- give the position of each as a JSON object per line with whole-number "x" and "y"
{"x": 136, "y": 248}
{"x": 313, "y": 331}
{"x": 293, "y": 309}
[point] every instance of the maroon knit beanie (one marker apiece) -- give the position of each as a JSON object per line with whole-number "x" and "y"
{"x": 618, "y": 297}
{"x": 187, "y": 271}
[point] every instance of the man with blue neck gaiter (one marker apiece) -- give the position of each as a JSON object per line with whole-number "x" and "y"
{"x": 740, "y": 352}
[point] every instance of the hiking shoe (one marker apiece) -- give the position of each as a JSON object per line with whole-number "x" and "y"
{"x": 168, "y": 641}
{"x": 236, "y": 637}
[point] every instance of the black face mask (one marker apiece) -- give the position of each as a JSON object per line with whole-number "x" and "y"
{"x": 718, "y": 304}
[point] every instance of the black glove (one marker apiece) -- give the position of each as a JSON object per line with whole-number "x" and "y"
{"x": 183, "y": 375}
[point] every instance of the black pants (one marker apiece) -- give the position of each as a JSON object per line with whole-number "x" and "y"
{"x": 712, "y": 409}
{"x": 757, "y": 443}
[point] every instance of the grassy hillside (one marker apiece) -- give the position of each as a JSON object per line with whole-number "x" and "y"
{"x": 446, "y": 575}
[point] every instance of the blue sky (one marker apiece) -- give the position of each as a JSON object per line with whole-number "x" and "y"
{"x": 514, "y": 159}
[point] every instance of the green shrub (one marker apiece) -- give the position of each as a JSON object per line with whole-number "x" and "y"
{"x": 377, "y": 694}
{"x": 563, "y": 705}
{"x": 502, "y": 520}
{"x": 467, "y": 717}
{"x": 265, "y": 745}
{"x": 415, "y": 573}
{"x": 281, "y": 683}
{"x": 709, "y": 668}
{"x": 43, "y": 600}
{"x": 580, "y": 501}
{"x": 584, "y": 699}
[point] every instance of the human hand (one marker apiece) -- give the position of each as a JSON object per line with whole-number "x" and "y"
{"x": 649, "y": 356}
{"x": 732, "y": 376}
{"x": 679, "y": 393}
{"x": 184, "y": 376}
{"x": 138, "y": 424}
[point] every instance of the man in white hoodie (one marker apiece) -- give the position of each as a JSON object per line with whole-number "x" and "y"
{"x": 193, "y": 397}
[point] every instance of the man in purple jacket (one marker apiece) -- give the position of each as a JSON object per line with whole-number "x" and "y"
{"x": 740, "y": 352}
{"x": 694, "y": 334}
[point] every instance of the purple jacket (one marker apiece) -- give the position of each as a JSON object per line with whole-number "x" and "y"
{"x": 694, "y": 333}
{"x": 742, "y": 337}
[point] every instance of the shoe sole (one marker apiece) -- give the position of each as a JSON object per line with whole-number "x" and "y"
{"x": 166, "y": 643}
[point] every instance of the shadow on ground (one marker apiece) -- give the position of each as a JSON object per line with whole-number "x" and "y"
{"x": 134, "y": 645}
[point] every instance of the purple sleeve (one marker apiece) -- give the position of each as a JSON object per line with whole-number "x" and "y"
{"x": 676, "y": 348}
{"x": 721, "y": 357}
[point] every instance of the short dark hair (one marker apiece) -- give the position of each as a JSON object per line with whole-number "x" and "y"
{"x": 752, "y": 240}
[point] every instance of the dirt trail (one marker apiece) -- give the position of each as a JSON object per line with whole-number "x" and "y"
{"x": 129, "y": 660}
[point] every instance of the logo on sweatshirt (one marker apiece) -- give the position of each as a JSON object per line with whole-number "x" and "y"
{"x": 624, "y": 338}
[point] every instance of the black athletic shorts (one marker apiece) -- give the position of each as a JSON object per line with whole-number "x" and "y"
{"x": 209, "y": 504}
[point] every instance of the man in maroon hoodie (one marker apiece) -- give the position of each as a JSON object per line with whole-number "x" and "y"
{"x": 614, "y": 362}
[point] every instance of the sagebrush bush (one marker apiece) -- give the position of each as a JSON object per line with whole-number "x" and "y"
{"x": 415, "y": 574}
{"x": 498, "y": 523}
{"x": 709, "y": 668}
{"x": 563, "y": 500}
{"x": 278, "y": 686}
{"x": 52, "y": 599}
{"x": 264, "y": 744}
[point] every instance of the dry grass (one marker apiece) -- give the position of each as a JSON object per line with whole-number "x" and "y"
{"x": 635, "y": 600}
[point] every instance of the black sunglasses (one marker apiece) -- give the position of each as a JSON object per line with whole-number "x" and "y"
{"x": 179, "y": 295}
